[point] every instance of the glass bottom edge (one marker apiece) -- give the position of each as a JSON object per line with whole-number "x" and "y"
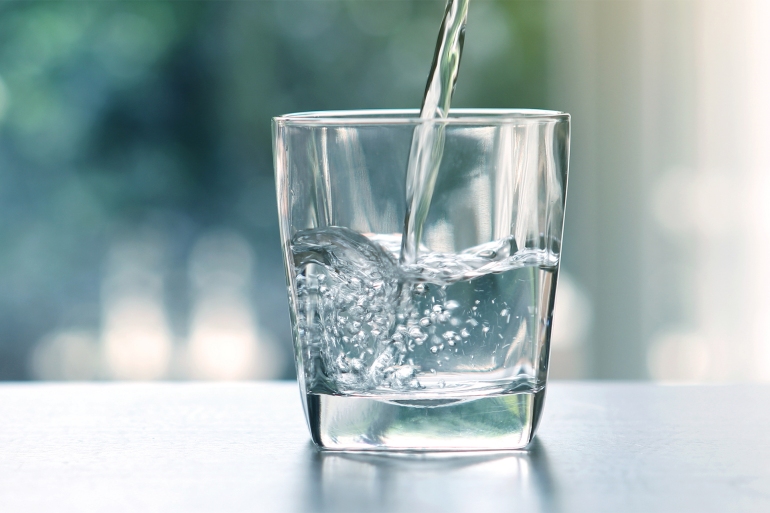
{"x": 487, "y": 423}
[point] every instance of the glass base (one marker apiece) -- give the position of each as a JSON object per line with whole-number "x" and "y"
{"x": 494, "y": 423}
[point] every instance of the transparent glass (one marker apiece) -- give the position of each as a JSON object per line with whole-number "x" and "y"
{"x": 447, "y": 350}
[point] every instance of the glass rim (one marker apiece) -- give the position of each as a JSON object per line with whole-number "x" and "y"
{"x": 412, "y": 117}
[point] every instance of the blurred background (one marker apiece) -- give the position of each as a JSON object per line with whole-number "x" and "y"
{"x": 138, "y": 225}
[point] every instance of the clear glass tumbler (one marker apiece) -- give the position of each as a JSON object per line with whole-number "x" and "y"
{"x": 444, "y": 346}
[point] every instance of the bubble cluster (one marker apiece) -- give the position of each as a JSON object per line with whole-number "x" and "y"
{"x": 366, "y": 324}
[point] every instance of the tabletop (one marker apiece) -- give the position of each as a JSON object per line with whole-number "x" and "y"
{"x": 233, "y": 447}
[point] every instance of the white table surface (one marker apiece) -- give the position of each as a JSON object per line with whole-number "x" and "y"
{"x": 244, "y": 447}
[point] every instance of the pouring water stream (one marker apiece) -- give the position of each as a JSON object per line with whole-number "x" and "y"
{"x": 428, "y": 138}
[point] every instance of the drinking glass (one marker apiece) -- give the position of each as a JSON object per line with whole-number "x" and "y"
{"x": 446, "y": 347}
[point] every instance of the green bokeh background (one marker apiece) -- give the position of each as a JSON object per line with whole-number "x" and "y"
{"x": 118, "y": 117}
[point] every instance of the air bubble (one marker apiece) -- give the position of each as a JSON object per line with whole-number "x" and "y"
{"x": 434, "y": 349}
{"x": 424, "y": 322}
{"x": 404, "y": 373}
{"x": 487, "y": 254}
{"x": 452, "y": 304}
{"x": 416, "y": 333}
{"x": 465, "y": 333}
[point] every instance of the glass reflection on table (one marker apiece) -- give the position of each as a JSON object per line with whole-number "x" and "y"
{"x": 476, "y": 481}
